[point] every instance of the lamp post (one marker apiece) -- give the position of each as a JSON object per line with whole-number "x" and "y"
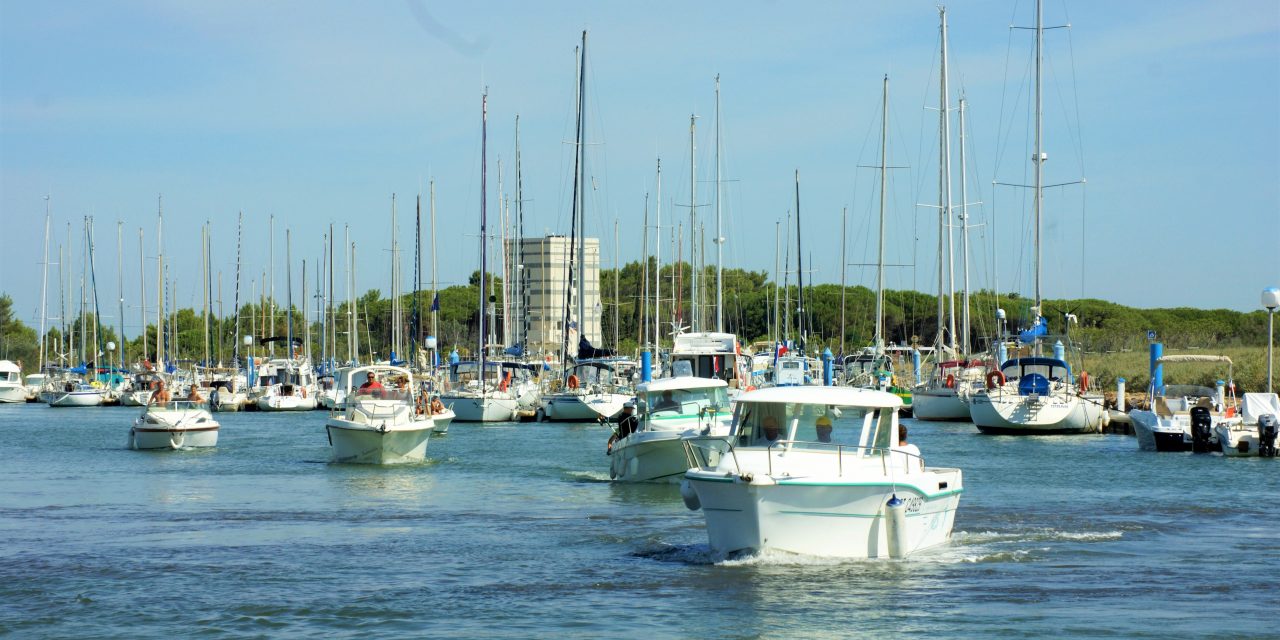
{"x": 1270, "y": 300}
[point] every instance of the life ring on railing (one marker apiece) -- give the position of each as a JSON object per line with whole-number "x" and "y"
{"x": 506, "y": 381}
{"x": 1084, "y": 381}
{"x": 995, "y": 379}
{"x": 951, "y": 381}
{"x": 573, "y": 382}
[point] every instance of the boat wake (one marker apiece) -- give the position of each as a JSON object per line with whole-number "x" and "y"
{"x": 1014, "y": 546}
{"x": 589, "y": 477}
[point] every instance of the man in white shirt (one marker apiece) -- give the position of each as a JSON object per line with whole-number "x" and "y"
{"x": 905, "y": 453}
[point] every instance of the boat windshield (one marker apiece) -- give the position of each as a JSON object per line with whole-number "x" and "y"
{"x": 764, "y": 424}
{"x": 685, "y": 401}
{"x": 1049, "y": 369}
{"x": 1188, "y": 391}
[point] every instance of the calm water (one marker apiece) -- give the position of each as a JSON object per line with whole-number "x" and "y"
{"x": 514, "y": 530}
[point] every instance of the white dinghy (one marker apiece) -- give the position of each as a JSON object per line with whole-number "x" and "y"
{"x": 1256, "y": 433}
{"x": 176, "y": 424}
{"x": 815, "y": 471}
{"x": 379, "y": 425}
{"x": 671, "y": 409}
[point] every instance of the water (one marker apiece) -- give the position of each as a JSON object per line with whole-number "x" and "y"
{"x": 514, "y": 530}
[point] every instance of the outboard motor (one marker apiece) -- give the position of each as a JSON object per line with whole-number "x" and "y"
{"x": 1201, "y": 429}
{"x": 1268, "y": 427}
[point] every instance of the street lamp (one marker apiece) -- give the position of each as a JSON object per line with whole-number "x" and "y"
{"x": 1270, "y": 300}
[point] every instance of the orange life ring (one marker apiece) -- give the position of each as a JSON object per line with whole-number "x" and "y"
{"x": 303, "y": 390}
{"x": 951, "y": 381}
{"x": 751, "y": 387}
{"x": 573, "y": 382}
{"x": 1084, "y": 380}
{"x": 995, "y": 379}
{"x": 506, "y": 380}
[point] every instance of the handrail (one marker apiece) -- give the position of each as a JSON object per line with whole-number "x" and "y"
{"x": 885, "y": 454}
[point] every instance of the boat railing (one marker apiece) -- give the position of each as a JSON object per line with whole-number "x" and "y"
{"x": 706, "y": 453}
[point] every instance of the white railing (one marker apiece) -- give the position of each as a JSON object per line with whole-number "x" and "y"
{"x": 707, "y": 452}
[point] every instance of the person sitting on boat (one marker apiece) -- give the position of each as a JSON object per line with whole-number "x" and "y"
{"x": 371, "y": 387}
{"x": 823, "y": 427}
{"x": 907, "y": 454}
{"x": 628, "y": 424}
{"x": 772, "y": 433}
{"x": 437, "y": 407}
{"x": 160, "y": 395}
{"x": 193, "y": 394}
{"x": 666, "y": 402}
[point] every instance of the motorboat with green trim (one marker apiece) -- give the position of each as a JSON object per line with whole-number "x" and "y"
{"x": 671, "y": 409}
{"x": 817, "y": 471}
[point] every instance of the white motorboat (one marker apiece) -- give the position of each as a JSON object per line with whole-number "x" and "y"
{"x": 1255, "y": 434}
{"x": 1035, "y": 395}
{"x": 873, "y": 368}
{"x": 288, "y": 385}
{"x": 34, "y": 383}
{"x": 74, "y": 394}
{"x": 783, "y": 481}
{"x": 592, "y": 390}
{"x": 137, "y": 393}
{"x": 713, "y": 355}
{"x": 382, "y": 426}
{"x": 442, "y": 420}
{"x": 1184, "y": 417}
{"x": 670, "y": 409}
{"x": 178, "y": 424}
{"x": 11, "y": 387}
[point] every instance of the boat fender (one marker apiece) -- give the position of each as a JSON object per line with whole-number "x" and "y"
{"x": 573, "y": 382}
{"x": 896, "y": 526}
{"x": 304, "y": 391}
{"x": 506, "y": 381}
{"x": 1084, "y": 381}
{"x": 689, "y": 496}
{"x": 995, "y": 379}
{"x": 951, "y": 381}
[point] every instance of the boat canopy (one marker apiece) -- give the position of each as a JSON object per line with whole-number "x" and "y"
{"x": 827, "y": 396}
{"x": 7, "y": 366}
{"x": 682, "y": 382}
{"x": 381, "y": 370}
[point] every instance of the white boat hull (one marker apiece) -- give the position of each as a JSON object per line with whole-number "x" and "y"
{"x": 354, "y": 443}
{"x": 286, "y": 403}
{"x": 75, "y": 399}
{"x": 649, "y": 456}
{"x": 135, "y": 398}
{"x": 174, "y": 429}
{"x": 939, "y": 405}
{"x": 583, "y": 408}
{"x": 13, "y": 394}
{"x": 477, "y": 409}
{"x": 442, "y": 421}
{"x": 230, "y": 401}
{"x": 1007, "y": 413}
{"x": 832, "y": 519}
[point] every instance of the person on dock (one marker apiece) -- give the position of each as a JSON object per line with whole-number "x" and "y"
{"x": 628, "y": 424}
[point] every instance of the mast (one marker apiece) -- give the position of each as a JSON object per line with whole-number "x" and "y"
{"x": 142, "y": 293}
{"x": 964, "y": 235}
{"x": 434, "y": 293}
{"x": 354, "y": 338}
{"x": 616, "y": 298}
{"x": 579, "y": 195}
{"x": 395, "y": 285}
{"x": 331, "y": 329}
{"x": 945, "y": 111}
{"x": 120, "y": 286}
{"x": 644, "y": 276}
{"x": 1039, "y": 156}
{"x": 160, "y": 283}
{"x": 694, "y": 325}
{"x": 799, "y": 273}
{"x": 884, "y": 172}
{"x": 44, "y": 281}
{"x": 719, "y": 239}
{"x": 518, "y": 261}
{"x": 288, "y": 292}
{"x": 484, "y": 132}
{"x": 204, "y": 276}
{"x": 350, "y": 286}
{"x": 416, "y": 325}
{"x": 235, "y": 345}
{"x": 844, "y": 240}
{"x": 657, "y": 275}
{"x": 502, "y": 258}
{"x": 777, "y": 284}
{"x": 271, "y": 276}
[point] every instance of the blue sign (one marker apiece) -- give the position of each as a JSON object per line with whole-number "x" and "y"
{"x": 1151, "y": 334}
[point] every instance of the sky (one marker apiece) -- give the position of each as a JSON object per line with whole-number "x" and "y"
{"x": 1160, "y": 119}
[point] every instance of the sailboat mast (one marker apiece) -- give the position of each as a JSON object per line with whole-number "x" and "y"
{"x": 693, "y": 226}
{"x": 44, "y": 281}
{"x": 1040, "y": 156}
{"x": 616, "y": 271}
{"x": 120, "y": 287}
{"x": 142, "y": 292}
{"x": 884, "y": 172}
{"x": 355, "y": 314}
{"x": 271, "y": 276}
{"x": 416, "y": 339}
{"x": 657, "y": 275}
{"x": 644, "y": 278}
{"x": 204, "y": 278}
{"x": 799, "y": 273}
{"x": 777, "y": 283}
{"x": 434, "y": 311}
{"x": 844, "y": 240}
{"x": 235, "y": 344}
{"x": 945, "y": 110}
{"x": 517, "y": 267}
{"x": 964, "y": 235}
{"x": 160, "y": 283}
{"x": 395, "y": 284}
{"x": 350, "y": 285}
{"x": 580, "y": 194}
{"x": 719, "y": 240}
{"x": 484, "y": 132}
{"x": 288, "y": 292}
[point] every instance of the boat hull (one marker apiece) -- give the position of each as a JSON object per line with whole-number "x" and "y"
{"x": 845, "y": 520}
{"x": 286, "y": 403}
{"x": 1004, "y": 413}
{"x": 583, "y": 408}
{"x": 76, "y": 399}
{"x": 442, "y": 421}
{"x": 942, "y": 405}
{"x": 362, "y": 444}
{"x": 229, "y": 402}
{"x": 649, "y": 456}
{"x": 488, "y": 409}
{"x": 15, "y": 394}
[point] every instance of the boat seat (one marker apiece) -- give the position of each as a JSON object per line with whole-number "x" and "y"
{"x": 1162, "y": 408}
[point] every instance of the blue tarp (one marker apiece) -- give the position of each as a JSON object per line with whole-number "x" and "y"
{"x": 1038, "y": 329}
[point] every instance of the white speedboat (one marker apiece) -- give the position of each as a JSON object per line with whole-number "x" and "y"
{"x": 843, "y": 492}
{"x": 34, "y": 383}
{"x": 178, "y": 424}
{"x": 1255, "y": 434}
{"x": 287, "y": 385}
{"x": 670, "y": 410}
{"x": 74, "y": 394}
{"x": 593, "y": 390}
{"x": 1035, "y": 395}
{"x": 379, "y": 427}
{"x": 11, "y": 387}
{"x": 1184, "y": 417}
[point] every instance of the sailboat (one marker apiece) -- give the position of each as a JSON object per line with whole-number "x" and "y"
{"x": 481, "y": 391}
{"x": 872, "y": 367}
{"x": 288, "y": 384}
{"x": 1032, "y": 393}
{"x": 944, "y": 395}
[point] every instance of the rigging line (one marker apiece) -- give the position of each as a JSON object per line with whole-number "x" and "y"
{"x": 1075, "y": 90}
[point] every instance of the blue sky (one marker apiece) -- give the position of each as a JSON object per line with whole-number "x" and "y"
{"x": 316, "y": 112}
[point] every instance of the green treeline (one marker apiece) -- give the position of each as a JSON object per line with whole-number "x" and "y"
{"x": 749, "y": 303}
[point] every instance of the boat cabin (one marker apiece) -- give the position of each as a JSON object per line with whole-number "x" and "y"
{"x": 711, "y": 355}
{"x": 682, "y": 397}
{"x": 816, "y": 417}
{"x": 1035, "y": 374}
